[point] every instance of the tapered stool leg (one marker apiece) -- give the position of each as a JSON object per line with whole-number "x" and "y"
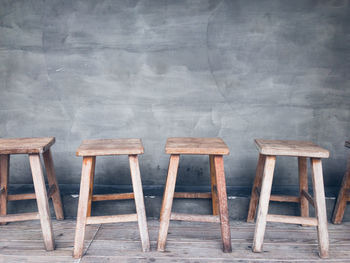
{"x": 91, "y": 189}
{"x": 139, "y": 202}
{"x": 51, "y": 178}
{"x": 42, "y": 201}
{"x": 303, "y": 186}
{"x": 256, "y": 186}
{"x": 264, "y": 203}
{"x": 167, "y": 201}
{"x": 342, "y": 197}
{"x": 4, "y": 178}
{"x": 320, "y": 207}
{"x": 83, "y": 206}
{"x": 214, "y": 191}
{"x": 223, "y": 209}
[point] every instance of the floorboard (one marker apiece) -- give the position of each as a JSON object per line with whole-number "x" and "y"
{"x": 187, "y": 242}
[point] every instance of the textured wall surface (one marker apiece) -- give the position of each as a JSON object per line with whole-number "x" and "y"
{"x": 152, "y": 69}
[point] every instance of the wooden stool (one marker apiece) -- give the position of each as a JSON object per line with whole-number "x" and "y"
{"x": 215, "y": 148}
{"x": 89, "y": 149}
{"x": 344, "y": 194}
{"x": 269, "y": 149}
{"x": 33, "y": 147}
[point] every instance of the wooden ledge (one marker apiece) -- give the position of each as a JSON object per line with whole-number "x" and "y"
{"x": 292, "y": 220}
{"x": 195, "y": 218}
{"x": 111, "y": 219}
{"x": 108, "y": 197}
{"x": 19, "y": 217}
{"x": 192, "y": 195}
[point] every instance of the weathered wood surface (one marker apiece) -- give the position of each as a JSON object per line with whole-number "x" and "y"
{"x": 110, "y": 147}
{"x": 187, "y": 145}
{"x": 25, "y": 145}
{"x": 187, "y": 242}
{"x": 343, "y": 197}
{"x": 291, "y": 148}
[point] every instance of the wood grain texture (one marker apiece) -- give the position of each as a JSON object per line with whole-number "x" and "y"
{"x": 187, "y": 145}
{"x": 19, "y": 217}
{"x": 308, "y": 221}
{"x": 195, "y": 218}
{"x": 223, "y": 208}
{"x": 214, "y": 190}
{"x": 4, "y": 179}
{"x": 139, "y": 202}
{"x": 108, "y": 197}
{"x": 18, "y": 197}
{"x": 111, "y": 219}
{"x": 82, "y": 206}
{"x": 25, "y": 145}
{"x": 187, "y": 242}
{"x": 110, "y": 147}
{"x": 343, "y": 196}
{"x": 303, "y": 186}
{"x": 256, "y": 186}
{"x": 91, "y": 187}
{"x": 291, "y": 148}
{"x": 167, "y": 203}
{"x": 188, "y": 195}
{"x": 264, "y": 203}
{"x": 51, "y": 178}
{"x": 320, "y": 207}
{"x": 42, "y": 201}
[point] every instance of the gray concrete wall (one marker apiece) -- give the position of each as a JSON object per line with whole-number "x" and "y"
{"x": 153, "y": 69}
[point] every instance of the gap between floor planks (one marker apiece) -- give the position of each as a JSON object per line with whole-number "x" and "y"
{"x": 22, "y": 242}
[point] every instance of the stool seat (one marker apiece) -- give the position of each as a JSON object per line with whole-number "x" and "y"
{"x": 110, "y": 147}
{"x": 25, "y": 145}
{"x": 188, "y": 145}
{"x": 291, "y": 148}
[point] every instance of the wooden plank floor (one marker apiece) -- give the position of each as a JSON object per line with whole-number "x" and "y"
{"x": 187, "y": 242}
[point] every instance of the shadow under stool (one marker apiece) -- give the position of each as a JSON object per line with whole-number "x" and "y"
{"x": 344, "y": 194}
{"x": 268, "y": 150}
{"x": 33, "y": 147}
{"x": 89, "y": 149}
{"x": 215, "y": 148}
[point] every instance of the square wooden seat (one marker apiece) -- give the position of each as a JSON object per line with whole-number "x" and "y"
{"x": 89, "y": 149}
{"x": 206, "y": 146}
{"x": 344, "y": 194}
{"x": 33, "y": 147}
{"x": 215, "y": 148}
{"x": 268, "y": 150}
{"x": 110, "y": 147}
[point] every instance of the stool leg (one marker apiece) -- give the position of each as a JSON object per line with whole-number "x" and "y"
{"x": 139, "y": 202}
{"x": 42, "y": 201}
{"x": 4, "y": 178}
{"x": 342, "y": 197}
{"x": 303, "y": 186}
{"x": 83, "y": 206}
{"x": 51, "y": 178}
{"x": 264, "y": 203}
{"x": 223, "y": 209}
{"x": 320, "y": 207}
{"x": 91, "y": 189}
{"x": 256, "y": 186}
{"x": 167, "y": 201}
{"x": 214, "y": 192}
